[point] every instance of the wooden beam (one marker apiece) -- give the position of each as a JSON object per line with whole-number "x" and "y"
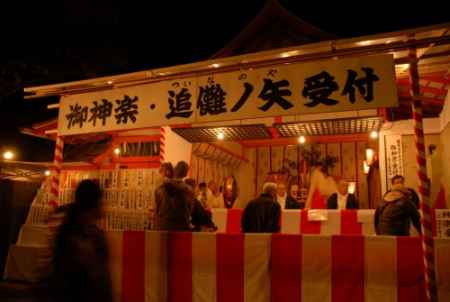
{"x": 225, "y": 150}
{"x": 284, "y": 141}
{"x": 408, "y": 99}
{"x": 137, "y": 159}
{"x": 135, "y": 139}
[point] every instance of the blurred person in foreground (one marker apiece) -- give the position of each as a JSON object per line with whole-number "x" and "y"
{"x": 80, "y": 257}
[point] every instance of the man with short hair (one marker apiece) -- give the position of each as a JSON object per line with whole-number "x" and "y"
{"x": 398, "y": 183}
{"x": 215, "y": 198}
{"x": 395, "y": 214}
{"x": 342, "y": 200}
{"x": 262, "y": 215}
{"x": 282, "y": 195}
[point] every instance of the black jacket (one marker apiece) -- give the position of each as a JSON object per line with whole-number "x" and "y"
{"x": 201, "y": 218}
{"x": 291, "y": 203}
{"x": 80, "y": 263}
{"x": 414, "y": 197}
{"x": 352, "y": 203}
{"x": 394, "y": 214}
{"x": 261, "y": 215}
{"x": 173, "y": 204}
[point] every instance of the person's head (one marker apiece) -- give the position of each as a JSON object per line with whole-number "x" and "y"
{"x": 202, "y": 187}
{"x": 281, "y": 189}
{"x": 270, "y": 188}
{"x": 213, "y": 186}
{"x": 166, "y": 170}
{"x": 87, "y": 198}
{"x": 342, "y": 187}
{"x": 293, "y": 190}
{"x": 181, "y": 170}
{"x": 398, "y": 182}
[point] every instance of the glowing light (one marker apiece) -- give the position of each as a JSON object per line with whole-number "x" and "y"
{"x": 366, "y": 167}
{"x": 369, "y": 155}
{"x": 220, "y": 135}
{"x": 117, "y": 151}
{"x": 374, "y": 134}
{"x": 364, "y": 43}
{"x": 351, "y": 187}
{"x": 47, "y": 173}
{"x": 302, "y": 139}
{"x": 8, "y": 155}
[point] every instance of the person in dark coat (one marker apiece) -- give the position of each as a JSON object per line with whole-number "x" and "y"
{"x": 173, "y": 202}
{"x": 201, "y": 219}
{"x": 291, "y": 199}
{"x": 80, "y": 257}
{"x": 342, "y": 200}
{"x": 262, "y": 215}
{"x": 394, "y": 214}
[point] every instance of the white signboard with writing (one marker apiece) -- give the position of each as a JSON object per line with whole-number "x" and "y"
{"x": 288, "y": 89}
{"x": 394, "y": 157}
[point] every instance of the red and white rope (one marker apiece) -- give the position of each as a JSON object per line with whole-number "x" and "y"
{"x": 424, "y": 184}
{"x": 56, "y": 173}
{"x": 162, "y": 144}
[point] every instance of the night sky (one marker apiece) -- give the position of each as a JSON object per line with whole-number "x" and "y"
{"x": 70, "y": 40}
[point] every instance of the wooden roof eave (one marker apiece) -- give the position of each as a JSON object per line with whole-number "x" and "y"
{"x": 382, "y": 43}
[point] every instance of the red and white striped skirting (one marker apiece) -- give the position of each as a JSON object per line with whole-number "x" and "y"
{"x": 208, "y": 267}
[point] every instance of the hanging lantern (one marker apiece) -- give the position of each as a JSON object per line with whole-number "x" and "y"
{"x": 370, "y": 153}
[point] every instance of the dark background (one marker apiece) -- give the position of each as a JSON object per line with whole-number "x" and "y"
{"x": 44, "y": 42}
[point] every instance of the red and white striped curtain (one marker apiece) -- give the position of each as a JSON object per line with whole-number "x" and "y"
{"x": 205, "y": 267}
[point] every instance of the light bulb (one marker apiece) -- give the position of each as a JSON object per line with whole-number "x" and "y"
{"x": 8, "y": 155}
{"x": 374, "y": 134}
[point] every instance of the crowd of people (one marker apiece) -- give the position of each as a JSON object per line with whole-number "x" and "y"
{"x": 179, "y": 204}
{"x": 394, "y": 215}
{"x": 80, "y": 258}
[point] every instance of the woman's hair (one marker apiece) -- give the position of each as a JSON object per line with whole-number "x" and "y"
{"x": 167, "y": 170}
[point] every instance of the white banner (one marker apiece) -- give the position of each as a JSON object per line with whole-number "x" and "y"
{"x": 394, "y": 157}
{"x": 288, "y": 89}
{"x": 443, "y": 223}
